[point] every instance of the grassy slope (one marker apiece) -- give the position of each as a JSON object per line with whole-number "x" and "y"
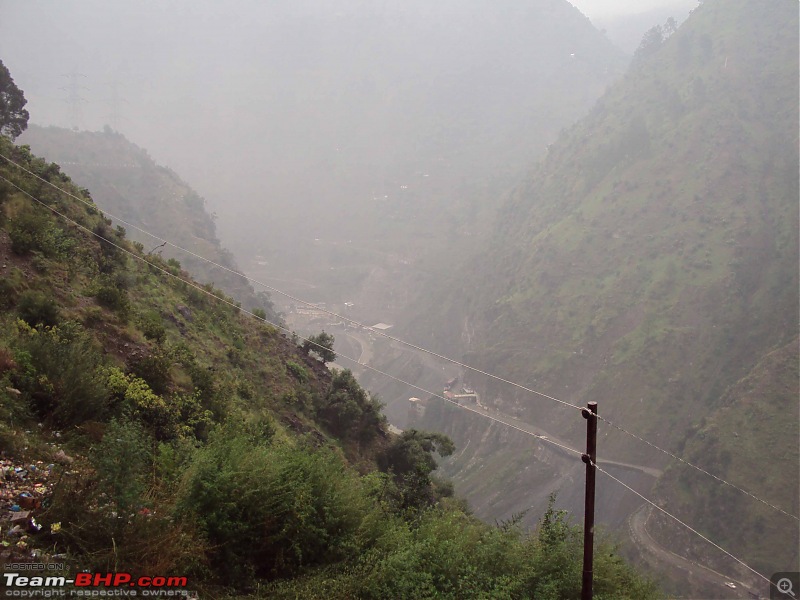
{"x": 652, "y": 254}
{"x": 751, "y": 441}
{"x": 126, "y": 182}
{"x": 651, "y": 259}
{"x": 253, "y": 497}
{"x": 248, "y": 358}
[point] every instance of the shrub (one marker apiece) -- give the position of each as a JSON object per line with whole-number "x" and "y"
{"x": 33, "y": 231}
{"x": 60, "y": 373}
{"x": 410, "y": 460}
{"x": 299, "y": 371}
{"x": 108, "y": 242}
{"x": 37, "y": 308}
{"x": 8, "y": 293}
{"x": 349, "y": 411}
{"x": 154, "y": 369}
{"x": 113, "y": 298}
{"x": 139, "y": 401}
{"x": 92, "y": 316}
{"x": 322, "y": 345}
{"x": 152, "y": 326}
{"x": 87, "y": 507}
{"x": 27, "y": 232}
{"x": 269, "y": 510}
{"x": 121, "y": 461}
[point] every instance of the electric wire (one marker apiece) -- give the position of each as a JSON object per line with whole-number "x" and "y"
{"x": 700, "y": 469}
{"x": 277, "y": 326}
{"x": 300, "y": 300}
{"x": 542, "y": 438}
{"x": 685, "y": 525}
{"x": 387, "y": 336}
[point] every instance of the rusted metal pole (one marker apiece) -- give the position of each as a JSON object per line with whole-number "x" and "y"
{"x": 590, "y": 458}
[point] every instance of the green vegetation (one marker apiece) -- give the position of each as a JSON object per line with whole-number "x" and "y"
{"x": 349, "y": 411}
{"x": 321, "y": 345}
{"x": 13, "y": 116}
{"x": 650, "y": 260}
{"x": 748, "y": 440}
{"x": 127, "y": 183}
{"x": 192, "y": 438}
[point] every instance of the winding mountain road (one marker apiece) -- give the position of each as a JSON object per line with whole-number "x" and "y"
{"x": 637, "y": 525}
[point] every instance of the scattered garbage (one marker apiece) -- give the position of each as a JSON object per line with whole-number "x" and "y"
{"x": 24, "y": 488}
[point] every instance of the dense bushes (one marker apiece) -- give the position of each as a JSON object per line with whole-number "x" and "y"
{"x": 349, "y": 411}
{"x": 152, "y": 326}
{"x": 59, "y": 371}
{"x": 32, "y": 230}
{"x": 409, "y": 459}
{"x": 447, "y": 554}
{"x": 37, "y": 308}
{"x": 321, "y": 345}
{"x": 269, "y": 509}
{"x": 114, "y": 297}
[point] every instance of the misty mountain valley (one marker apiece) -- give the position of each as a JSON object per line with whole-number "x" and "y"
{"x": 400, "y": 299}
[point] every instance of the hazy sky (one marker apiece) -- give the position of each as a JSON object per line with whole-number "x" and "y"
{"x": 603, "y": 8}
{"x": 244, "y": 106}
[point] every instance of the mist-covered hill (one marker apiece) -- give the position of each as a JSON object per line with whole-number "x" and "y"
{"x": 125, "y": 181}
{"x": 395, "y": 131}
{"x": 747, "y": 440}
{"x": 352, "y": 150}
{"x": 148, "y": 425}
{"x": 650, "y": 260}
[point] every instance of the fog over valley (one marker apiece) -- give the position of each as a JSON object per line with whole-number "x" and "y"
{"x": 462, "y": 221}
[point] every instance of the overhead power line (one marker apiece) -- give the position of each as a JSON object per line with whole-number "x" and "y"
{"x": 277, "y": 326}
{"x": 700, "y": 469}
{"x": 300, "y": 300}
{"x": 408, "y": 344}
{"x": 683, "y": 524}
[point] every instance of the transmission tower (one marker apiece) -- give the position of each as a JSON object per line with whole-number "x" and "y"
{"x": 74, "y": 100}
{"x": 114, "y": 102}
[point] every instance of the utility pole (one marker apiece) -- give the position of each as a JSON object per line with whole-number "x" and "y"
{"x": 590, "y": 458}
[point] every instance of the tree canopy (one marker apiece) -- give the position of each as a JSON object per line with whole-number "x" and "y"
{"x": 322, "y": 345}
{"x": 13, "y": 116}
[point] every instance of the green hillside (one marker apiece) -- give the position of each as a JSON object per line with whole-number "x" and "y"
{"x": 748, "y": 440}
{"x": 150, "y": 425}
{"x": 127, "y": 183}
{"x": 650, "y": 260}
{"x": 653, "y": 252}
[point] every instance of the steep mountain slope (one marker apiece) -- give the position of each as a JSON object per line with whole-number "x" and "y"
{"x": 650, "y": 261}
{"x": 149, "y": 426}
{"x": 663, "y": 225}
{"x": 126, "y": 182}
{"x": 750, "y": 440}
